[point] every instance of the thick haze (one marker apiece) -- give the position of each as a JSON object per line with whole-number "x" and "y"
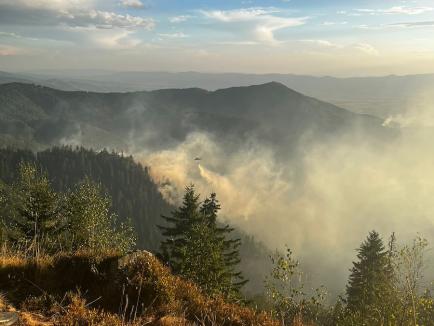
{"x": 359, "y": 37}
{"x": 321, "y": 205}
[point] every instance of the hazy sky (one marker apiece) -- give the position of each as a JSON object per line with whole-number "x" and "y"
{"x": 336, "y": 37}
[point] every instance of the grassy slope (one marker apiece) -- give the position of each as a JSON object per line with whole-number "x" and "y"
{"x": 57, "y": 288}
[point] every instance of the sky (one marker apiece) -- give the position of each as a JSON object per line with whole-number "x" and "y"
{"x": 315, "y": 37}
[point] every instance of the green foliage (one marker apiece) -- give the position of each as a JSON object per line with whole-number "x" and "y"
{"x": 129, "y": 184}
{"x": 385, "y": 286}
{"x": 92, "y": 225}
{"x": 35, "y": 212}
{"x": 408, "y": 263}
{"x": 286, "y": 291}
{"x": 370, "y": 281}
{"x": 197, "y": 248}
{"x": 38, "y": 219}
{"x": 385, "y": 289}
{"x": 3, "y": 212}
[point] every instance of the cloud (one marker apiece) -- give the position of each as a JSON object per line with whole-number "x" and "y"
{"x": 330, "y": 23}
{"x": 322, "y": 43}
{"x": 11, "y": 35}
{"x": 64, "y": 13}
{"x": 174, "y": 35}
{"x": 366, "y": 48}
{"x": 121, "y": 39}
{"x": 414, "y": 24}
{"x": 239, "y": 15}
{"x": 105, "y": 19}
{"x": 48, "y": 4}
{"x": 397, "y": 10}
{"x": 132, "y": 3}
{"x": 262, "y": 23}
{"x": 7, "y": 34}
{"x": 75, "y": 22}
{"x": 238, "y": 43}
{"x": 179, "y": 19}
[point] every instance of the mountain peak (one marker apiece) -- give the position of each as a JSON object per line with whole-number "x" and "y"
{"x": 274, "y": 84}
{"x": 274, "y": 87}
{"x": 270, "y": 88}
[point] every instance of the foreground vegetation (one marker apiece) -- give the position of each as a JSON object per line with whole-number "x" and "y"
{"x": 82, "y": 289}
{"x": 386, "y": 286}
{"x": 67, "y": 259}
{"x": 135, "y": 198}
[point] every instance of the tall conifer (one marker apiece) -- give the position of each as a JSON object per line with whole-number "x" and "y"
{"x": 369, "y": 283}
{"x": 197, "y": 247}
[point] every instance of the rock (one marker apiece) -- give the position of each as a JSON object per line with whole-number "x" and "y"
{"x": 8, "y": 318}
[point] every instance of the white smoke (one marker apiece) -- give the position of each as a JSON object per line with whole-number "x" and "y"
{"x": 348, "y": 188}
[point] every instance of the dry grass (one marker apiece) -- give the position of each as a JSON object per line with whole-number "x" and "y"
{"x": 165, "y": 294}
{"x": 82, "y": 289}
{"x": 34, "y": 319}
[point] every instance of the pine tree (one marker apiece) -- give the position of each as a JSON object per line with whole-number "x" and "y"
{"x": 369, "y": 283}
{"x": 226, "y": 278}
{"x": 180, "y": 226}
{"x": 197, "y": 248}
{"x": 36, "y": 211}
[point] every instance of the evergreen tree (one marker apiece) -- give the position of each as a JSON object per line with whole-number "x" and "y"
{"x": 179, "y": 229}
{"x": 224, "y": 276}
{"x": 370, "y": 281}
{"x": 35, "y": 212}
{"x": 197, "y": 248}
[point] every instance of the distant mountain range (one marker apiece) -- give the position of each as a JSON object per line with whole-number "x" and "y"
{"x": 36, "y": 117}
{"x": 380, "y": 96}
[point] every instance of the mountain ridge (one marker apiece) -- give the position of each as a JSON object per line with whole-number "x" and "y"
{"x": 271, "y": 112}
{"x": 381, "y": 96}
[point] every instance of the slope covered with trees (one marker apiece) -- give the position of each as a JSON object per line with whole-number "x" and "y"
{"x": 133, "y": 193}
{"x": 381, "y": 96}
{"x": 36, "y": 220}
{"x": 37, "y": 117}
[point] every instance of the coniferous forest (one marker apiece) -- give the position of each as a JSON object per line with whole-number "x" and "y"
{"x": 133, "y": 194}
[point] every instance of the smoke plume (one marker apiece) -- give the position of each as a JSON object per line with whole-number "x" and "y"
{"x": 322, "y": 207}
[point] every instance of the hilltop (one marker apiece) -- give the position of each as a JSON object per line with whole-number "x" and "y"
{"x": 36, "y": 117}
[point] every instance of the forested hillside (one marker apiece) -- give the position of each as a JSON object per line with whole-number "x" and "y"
{"x": 381, "y": 96}
{"x": 133, "y": 193}
{"x": 38, "y": 117}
